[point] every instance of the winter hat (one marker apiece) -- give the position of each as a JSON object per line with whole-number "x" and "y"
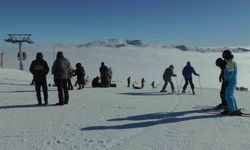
{"x": 78, "y": 65}
{"x": 59, "y": 54}
{"x": 219, "y": 62}
{"x": 39, "y": 55}
{"x": 227, "y": 55}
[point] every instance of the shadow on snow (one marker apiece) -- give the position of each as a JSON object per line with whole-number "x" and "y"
{"x": 24, "y": 106}
{"x": 146, "y": 93}
{"x": 153, "y": 119}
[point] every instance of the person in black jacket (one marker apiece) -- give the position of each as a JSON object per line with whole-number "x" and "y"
{"x": 39, "y": 68}
{"x": 169, "y": 72}
{"x": 80, "y": 74}
{"x": 187, "y": 72}
{"x": 222, "y": 64}
{"x": 104, "y": 75}
{"x": 95, "y": 82}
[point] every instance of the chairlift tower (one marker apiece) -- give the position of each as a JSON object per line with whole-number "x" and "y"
{"x": 19, "y": 38}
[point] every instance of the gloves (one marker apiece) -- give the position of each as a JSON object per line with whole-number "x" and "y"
{"x": 174, "y": 75}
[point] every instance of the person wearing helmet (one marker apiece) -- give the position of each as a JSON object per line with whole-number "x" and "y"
{"x": 169, "y": 72}
{"x": 187, "y": 72}
{"x": 230, "y": 75}
{"x": 39, "y": 68}
{"x": 222, "y": 64}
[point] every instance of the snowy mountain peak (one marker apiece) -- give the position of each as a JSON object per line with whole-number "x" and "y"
{"x": 115, "y": 43}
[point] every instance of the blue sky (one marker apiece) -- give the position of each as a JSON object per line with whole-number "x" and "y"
{"x": 190, "y": 22}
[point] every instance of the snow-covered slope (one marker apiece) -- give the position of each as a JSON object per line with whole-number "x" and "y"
{"x": 116, "y": 119}
{"x": 122, "y": 118}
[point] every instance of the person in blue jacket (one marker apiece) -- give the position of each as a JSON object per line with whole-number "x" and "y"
{"x": 230, "y": 75}
{"x": 187, "y": 72}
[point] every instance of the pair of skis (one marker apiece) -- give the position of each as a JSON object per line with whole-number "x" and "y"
{"x": 219, "y": 111}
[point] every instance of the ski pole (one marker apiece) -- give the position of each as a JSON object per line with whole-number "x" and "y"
{"x": 200, "y": 83}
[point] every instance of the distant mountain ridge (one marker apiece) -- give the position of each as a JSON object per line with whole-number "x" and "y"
{"x": 115, "y": 43}
{"x": 118, "y": 43}
{"x": 206, "y": 50}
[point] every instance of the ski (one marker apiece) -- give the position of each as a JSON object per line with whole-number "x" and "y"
{"x": 216, "y": 111}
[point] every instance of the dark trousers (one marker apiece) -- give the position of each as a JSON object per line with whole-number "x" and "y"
{"x": 70, "y": 86}
{"x": 104, "y": 81}
{"x": 166, "y": 83}
{"x": 222, "y": 94}
{"x": 38, "y": 85}
{"x": 62, "y": 88}
{"x": 190, "y": 81}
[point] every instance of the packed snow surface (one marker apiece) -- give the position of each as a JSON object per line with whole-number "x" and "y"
{"x": 123, "y": 118}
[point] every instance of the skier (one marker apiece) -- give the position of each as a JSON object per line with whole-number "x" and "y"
{"x": 103, "y": 75}
{"x": 142, "y": 84}
{"x": 230, "y": 74}
{"x": 80, "y": 74}
{"x": 39, "y": 68}
{"x": 222, "y": 64}
{"x": 60, "y": 70}
{"x": 187, "y": 72}
{"x": 128, "y": 81}
{"x": 169, "y": 72}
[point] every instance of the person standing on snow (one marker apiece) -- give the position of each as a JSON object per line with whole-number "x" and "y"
{"x": 128, "y": 81}
{"x": 222, "y": 64}
{"x": 169, "y": 72}
{"x": 109, "y": 74}
{"x": 187, "y": 72}
{"x": 103, "y": 75}
{"x": 39, "y": 68}
{"x": 230, "y": 74}
{"x": 60, "y": 70}
{"x": 80, "y": 74}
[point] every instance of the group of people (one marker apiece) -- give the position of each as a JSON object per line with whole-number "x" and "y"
{"x": 228, "y": 78}
{"x": 187, "y": 72}
{"x": 60, "y": 69}
{"x": 105, "y": 77}
{"x": 62, "y": 72}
